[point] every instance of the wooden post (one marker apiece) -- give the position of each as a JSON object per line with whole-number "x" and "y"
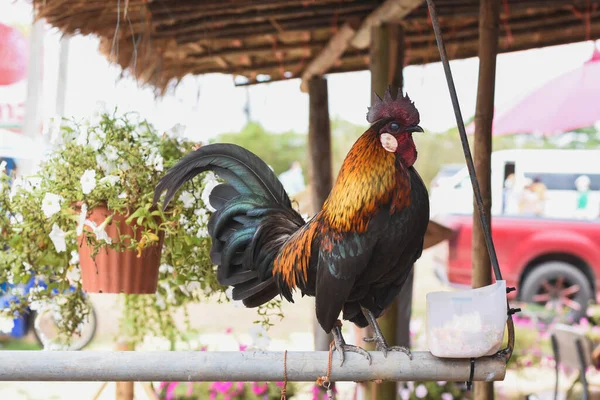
{"x": 124, "y": 389}
{"x": 320, "y": 165}
{"x": 387, "y": 59}
{"x": 484, "y": 114}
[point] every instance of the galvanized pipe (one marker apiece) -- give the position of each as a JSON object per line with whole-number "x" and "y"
{"x": 236, "y": 366}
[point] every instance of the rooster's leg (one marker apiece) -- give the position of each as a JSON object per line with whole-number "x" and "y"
{"x": 342, "y": 347}
{"x": 381, "y": 344}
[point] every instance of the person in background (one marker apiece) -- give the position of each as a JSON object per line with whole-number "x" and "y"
{"x": 582, "y": 183}
{"x": 539, "y": 189}
{"x": 511, "y": 196}
{"x": 293, "y": 179}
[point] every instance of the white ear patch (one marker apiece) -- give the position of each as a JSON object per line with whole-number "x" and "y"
{"x": 388, "y": 142}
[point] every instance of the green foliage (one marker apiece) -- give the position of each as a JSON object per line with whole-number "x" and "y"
{"x": 114, "y": 161}
{"x": 278, "y": 150}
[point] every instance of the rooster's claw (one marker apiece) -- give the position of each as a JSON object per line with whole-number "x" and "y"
{"x": 342, "y": 348}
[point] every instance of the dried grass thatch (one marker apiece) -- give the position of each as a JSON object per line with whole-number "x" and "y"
{"x": 161, "y": 41}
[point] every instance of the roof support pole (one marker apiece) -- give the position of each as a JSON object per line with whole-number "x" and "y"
{"x": 320, "y": 170}
{"x": 484, "y": 114}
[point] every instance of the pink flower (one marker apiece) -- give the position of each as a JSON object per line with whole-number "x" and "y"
{"x": 421, "y": 391}
{"x": 228, "y": 330}
{"x": 170, "y": 394}
{"x": 190, "y": 389}
{"x": 243, "y": 347}
{"x": 221, "y": 387}
{"x": 258, "y": 388}
{"x": 203, "y": 348}
{"x": 584, "y": 322}
{"x": 447, "y": 396}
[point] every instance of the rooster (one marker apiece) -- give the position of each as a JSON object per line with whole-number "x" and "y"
{"x": 353, "y": 256}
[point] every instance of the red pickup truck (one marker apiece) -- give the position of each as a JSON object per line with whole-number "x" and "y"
{"x": 551, "y": 262}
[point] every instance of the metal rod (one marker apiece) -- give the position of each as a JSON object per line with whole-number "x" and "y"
{"x": 465, "y": 143}
{"x": 207, "y": 366}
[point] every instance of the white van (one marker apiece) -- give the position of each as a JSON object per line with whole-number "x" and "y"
{"x": 557, "y": 169}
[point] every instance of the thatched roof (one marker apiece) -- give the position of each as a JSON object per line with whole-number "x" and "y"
{"x": 161, "y": 41}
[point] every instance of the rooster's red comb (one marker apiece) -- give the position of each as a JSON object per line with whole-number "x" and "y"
{"x": 401, "y": 108}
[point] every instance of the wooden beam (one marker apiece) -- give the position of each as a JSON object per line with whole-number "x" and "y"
{"x": 257, "y": 50}
{"x": 388, "y": 11}
{"x": 329, "y": 55}
{"x": 489, "y": 28}
{"x": 320, "y": 169}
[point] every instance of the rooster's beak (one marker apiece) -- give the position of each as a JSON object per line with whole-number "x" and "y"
{"x": 415, "y": 128}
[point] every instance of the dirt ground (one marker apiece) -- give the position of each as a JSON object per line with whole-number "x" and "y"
{"x": 294, "y": 332}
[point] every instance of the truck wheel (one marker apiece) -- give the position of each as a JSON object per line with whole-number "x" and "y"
{"x": 561, "y": 288}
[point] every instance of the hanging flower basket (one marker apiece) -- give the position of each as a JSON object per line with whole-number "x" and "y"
{"x": 114, "y": 271}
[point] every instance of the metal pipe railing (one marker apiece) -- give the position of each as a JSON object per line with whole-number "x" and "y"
{"x": 237, "y": 366}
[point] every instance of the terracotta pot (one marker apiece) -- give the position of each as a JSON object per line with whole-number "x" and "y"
{"x": 119, "y": 272}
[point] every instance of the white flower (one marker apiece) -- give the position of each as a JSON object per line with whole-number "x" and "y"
{"x": 6, "y": 324}
{"x": 187, "y": 199}
{"x": 210, "y": 181}
{"x": 27, "y": 266}
{"x": 155, "y": 161}
{"x": 103, "y": 164}
{"x": 74, "y": 274}
{"x": 81, "y": 219}
{"x": 123, "y": 195}
{"x": 51, "y": 204}
{"x": 259, "y": 336}
{"x": 57, "y": 236}
{"x": 99, "y": 230}
{"x": 34, "y": 182}
{"x": 176, "y": 131}
{"x": 2, "y": 166}
{"x": 166, "y": 268}
{"x": 183, "y": 220}
{"x": 74, "y": 258}
{"x": 229, "y": 294}
{"x": 95, "y": 140}
{"x": 202, "y": 232}
{"x": 82, "y": 138}
{"x": 124, "y": 166}
{"x": 112, "y": 180}
{"x": 111, "y": 153}
{"x": 160, "y": 302}
{"x": 88, "y": 181}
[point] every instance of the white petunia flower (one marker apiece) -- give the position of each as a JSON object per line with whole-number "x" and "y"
{"x": 229, "y": 294}
{"x": 183, "y": 220}
{"x": 51, "y": 204}
{"x": 187, "y": 199}
{"x": 57, "y": 236}
{"x": 104, "y": 164}
{"x": 123, "y": 195}
{"x": 6, "y": 324}
{"x": 111, "y": 153}
{"x": 166, "y": 268}
{"x": 88, "y": 181}
{"x": 99, "y": 230}
{"x": 112, "y": 180}
{"x": 81, "y": 219}
{"x": 16, "y": 219}
{"x": 124, "y": 166}
{"x": 2, "y": 166}
{"x": 74, "y": 258}
{"x": 95, "y": 140}
{"x": 74, "y": 274}
{"x": 259, "y": 336}
{"x": 155, "y": 160}
{"x": 34, "y": 182}
{"x": 202, "y": 232}
{"x": 82, "y": 138}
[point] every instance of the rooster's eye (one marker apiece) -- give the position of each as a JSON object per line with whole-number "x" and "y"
{"x": 394, "y": 127}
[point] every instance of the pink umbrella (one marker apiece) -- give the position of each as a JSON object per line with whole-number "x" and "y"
{"x": 565, "y": 103}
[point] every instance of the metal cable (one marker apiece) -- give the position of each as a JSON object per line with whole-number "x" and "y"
{"x": 465, "y": 143}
